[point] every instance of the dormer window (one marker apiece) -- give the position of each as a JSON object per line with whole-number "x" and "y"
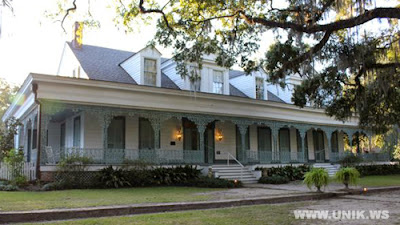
{"x": 260, "y": 88}
{"x": 195, "y": 78}
{"x": 218, "y": 82}
{"x": 150, "y": 72}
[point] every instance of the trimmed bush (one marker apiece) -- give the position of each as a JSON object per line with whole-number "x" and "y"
{"x": 347, "y": 175}
{"x": 317, "y": 177}
{"x": 291, "y": 172}
{"x": 275, "y": 179}
{"x": 367, "y": 170}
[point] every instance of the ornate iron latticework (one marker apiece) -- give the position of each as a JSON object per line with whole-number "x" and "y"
{"x": 105, "y": 114}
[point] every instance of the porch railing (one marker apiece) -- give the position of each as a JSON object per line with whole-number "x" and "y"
{"x": 267, "y": 157}
{"x": 163, "y": 156}
{"x": 121, "y": 156}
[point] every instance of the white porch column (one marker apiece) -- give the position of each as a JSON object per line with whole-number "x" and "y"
{"x": 275, "y": 150}
{"x": 303, "y": 132}
{"x": 242, "y": 154}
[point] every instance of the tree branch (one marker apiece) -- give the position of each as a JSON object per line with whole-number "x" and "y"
{"x": 159, "y": 11}
{"x": 296, "y": 61}
{"x": 334, "y": 26}
{"x": 73, "y": 8}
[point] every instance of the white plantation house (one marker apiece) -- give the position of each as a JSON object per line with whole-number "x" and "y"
{"x": 112, "y": 106}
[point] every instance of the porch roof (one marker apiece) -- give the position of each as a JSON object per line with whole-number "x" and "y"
{"x": 112, "y": 94}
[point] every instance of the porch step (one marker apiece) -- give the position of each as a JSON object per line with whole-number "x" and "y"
{"x": 234, "y": 172}
{"x": 332, "y": 169}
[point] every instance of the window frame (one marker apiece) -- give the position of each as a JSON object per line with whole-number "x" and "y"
{"x": 260, "y": 88}
{"x": 220, "y": 83}
{"x": 195, "y": 86}
{"x": 145, "y": 71}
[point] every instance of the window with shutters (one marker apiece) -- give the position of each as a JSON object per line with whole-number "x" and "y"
{"x": 116, "y": 133}
{"x": 284, "y": 139}
{"x": 264, "y": 139}
{"x": 146, "y": 134}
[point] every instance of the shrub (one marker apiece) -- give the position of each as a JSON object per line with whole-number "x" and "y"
{"x": 20, "y": 181}
{"x": 53, "y": 186}
{"x": 177, "y": 175}
{"x": 8, "y": 187}
{"x": 211, "y": 182}
{"x": 113, "y": 178}
{"x": 275, "y": 179}
{"x": 14, "y": 160}
{"x": 347, "y": 175}
{"x": 290, "y": 172}
{"x": 366, "y": 170}
{"x": 350, "y": 160}
{"x": 317, "y": 177}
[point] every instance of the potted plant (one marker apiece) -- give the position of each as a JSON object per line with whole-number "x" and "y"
{"x": 347, "y": 175}
{"x": 317, "y": 177}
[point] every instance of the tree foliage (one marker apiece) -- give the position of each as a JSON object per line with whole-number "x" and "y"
{"x": 7, "y": 94}
{"x": 346, "y": 51}
{"x": 7, "y": 134}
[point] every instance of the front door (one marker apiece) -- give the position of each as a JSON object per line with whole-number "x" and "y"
{"x": 319, "y": 146}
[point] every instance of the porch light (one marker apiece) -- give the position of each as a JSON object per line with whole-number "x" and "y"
{"x": 219, "y": 135}
{"x": 179, "y": 134}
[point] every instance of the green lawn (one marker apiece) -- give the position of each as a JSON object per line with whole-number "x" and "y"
{"x": 17, "y": 201}
{"x": 260, "y": 214}
{"x": 376, "y": 181}
{"x": 382, "y": 181}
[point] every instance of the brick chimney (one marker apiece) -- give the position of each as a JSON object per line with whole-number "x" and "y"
{"x": 77, "y": 35}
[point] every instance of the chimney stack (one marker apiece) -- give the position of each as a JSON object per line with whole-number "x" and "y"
{"x": 77, "y": 35}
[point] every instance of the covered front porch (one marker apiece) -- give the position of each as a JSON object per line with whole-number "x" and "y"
{"x": 115, "y": 136}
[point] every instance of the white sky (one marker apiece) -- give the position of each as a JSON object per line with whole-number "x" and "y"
{"x": 30, "y": 42}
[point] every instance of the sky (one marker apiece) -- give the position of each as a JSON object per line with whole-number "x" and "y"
{"x": 32, "y": 42}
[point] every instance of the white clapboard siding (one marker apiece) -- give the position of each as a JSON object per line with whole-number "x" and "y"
{"x": 28, "y": 170}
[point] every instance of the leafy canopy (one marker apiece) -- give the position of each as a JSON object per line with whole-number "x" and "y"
{"x": 346, "y": 51}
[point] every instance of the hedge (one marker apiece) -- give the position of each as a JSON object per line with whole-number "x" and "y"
{"x": 366, "y": 170}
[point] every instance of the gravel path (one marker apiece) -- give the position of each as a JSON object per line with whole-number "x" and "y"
{"x": 380, "y": 201}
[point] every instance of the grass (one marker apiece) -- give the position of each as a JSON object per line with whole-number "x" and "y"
{"x": 260, "y": 214}
{"x": 18, "y": 201}
{"x": 376, "y": 181}
{"x": 380, "y": 181}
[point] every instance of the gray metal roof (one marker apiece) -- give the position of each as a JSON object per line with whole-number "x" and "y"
{"x": 101, "y": 63}
{"x": 236, "y": 92}
{"x": 236, "y": 73}
{"x": 274, "y": 98}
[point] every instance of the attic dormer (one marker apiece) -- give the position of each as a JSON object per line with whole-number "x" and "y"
{"x": 144, "y": 67}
